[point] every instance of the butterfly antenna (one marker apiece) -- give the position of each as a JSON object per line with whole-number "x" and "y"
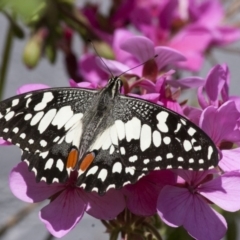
{"x": 100, "y": 57}
{"x": 155, "y": 56}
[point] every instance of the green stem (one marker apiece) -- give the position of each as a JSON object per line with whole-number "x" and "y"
{"x": 6, "y": 58}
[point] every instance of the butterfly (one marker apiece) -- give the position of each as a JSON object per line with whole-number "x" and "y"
{"x": 110, "y": 139}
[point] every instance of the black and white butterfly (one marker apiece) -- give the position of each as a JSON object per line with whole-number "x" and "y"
{"x": 110, "y": 139}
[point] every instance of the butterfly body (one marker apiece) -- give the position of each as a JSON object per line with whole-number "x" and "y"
{"x": 110, "y": 139}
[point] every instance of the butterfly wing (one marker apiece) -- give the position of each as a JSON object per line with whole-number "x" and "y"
{"x": 142, "y": 137}
{"x": 46, "y": 125}
{"x": 153, "y": 137}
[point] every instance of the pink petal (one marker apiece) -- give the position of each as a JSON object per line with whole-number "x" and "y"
{"x": 120, "y": 35}
{"x": 142, "y": 196}
{"x": 190, "y": 82}
{"x": 89, "y": 85}
{"x": 167, "y": 56}
{"x": 192, "y": 113}
{"x": 140, "y": 47}
{"x": 230, "y": 160}
{"x": 223, "y": 191}
{"x": 172, "y": 205}
{"x": 202, "y": 222}
{"x": 24, "y": 186}
{"x": 115, "y": 67}
{"x": 176, "y": 206}
{"x": 105, "y": 207}
{"x": 31, "y": 87}
{"x": 63, "y": 213}
{"x": 224, "y": 118}
{"x": 215, "y": 82}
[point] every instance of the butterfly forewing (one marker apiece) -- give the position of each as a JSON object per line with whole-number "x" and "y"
{"x": 153, "y": 137}
{"x": 36, "y": 121}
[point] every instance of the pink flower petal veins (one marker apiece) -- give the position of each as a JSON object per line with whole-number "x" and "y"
{"x": 177, "y": 206}
{"x": 63, "y": 213}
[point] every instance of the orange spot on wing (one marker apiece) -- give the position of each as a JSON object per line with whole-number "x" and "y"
{"x": 86, "y": 162}
{"x": 72, "y": 158}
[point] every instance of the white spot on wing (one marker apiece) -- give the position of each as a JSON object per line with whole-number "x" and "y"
{"x": 15, "y": 130}
{"x": 36, "y": 118}
{"x": 60, "y": 165}
{"x": 191, "y": 131}
{"x": 92, "y": 170}
{"x": 158, "y": 158}
{"x": 132, "y": 129}
{"x": 120, "y": 129}
{"x": 48, "y": 164}
{"x": 210, "y": 151}
{"x": 122, "y": 150}
{"x": 191, "y": 160}
{"x": 28, "y": 116}
{"x": 5, "y": 130}
{"x": 9, "y": 115}
{"x": 27, "y": 102}
{"x": 114, "y": 135}
{"x": 169, "y": 155}
{"x": 23, "y": 135}
{"x": 162, "y": 118}
{"x": 187, "y": 145}
{"x": 107, "y": 143}
{"x": 157, "y": 139}
{"x": 76, "y": 117}
{"x": 46, "y": 120}
{"x": 62, "y": 116}
{"x": 55, "y": 180}
{"x": 178, "y": 127}
{"x": 117, "y": 167}
{"x": 111, "y": 186}
{"x": 111, "y": 150}
{"x": 146, "y": 161}
{"x": 146, "y": 137}
{"x": 47, "y": 97}
{"x": 103, "y": 174}
{"x": 43, "y": 143}
{"x": 130, "y": 170}
{"x": 133, "y": 158}
{"x": 167, "y": 140}
{"x": 15, "y": 102}
{"x": 180, "y": 159}
{"x": 44, "y": 154}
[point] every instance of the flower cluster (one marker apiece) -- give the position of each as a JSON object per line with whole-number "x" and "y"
{"x": 175, "y": 35}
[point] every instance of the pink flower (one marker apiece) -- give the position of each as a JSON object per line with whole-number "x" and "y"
{"x": 187, "y": 204}
{"x": 68, "y": 203}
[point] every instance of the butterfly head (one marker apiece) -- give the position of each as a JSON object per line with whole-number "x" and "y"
{"x": 114, "y": 85}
